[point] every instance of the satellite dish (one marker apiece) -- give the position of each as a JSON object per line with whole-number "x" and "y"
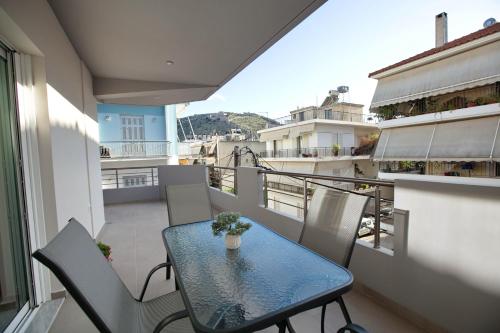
{"x": 343, "y": 89}
{"x": 489, "y": 22}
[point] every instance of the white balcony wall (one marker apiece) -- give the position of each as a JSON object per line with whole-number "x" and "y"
{"x": 65, "y": 114}
{"x": 444, "y": 269}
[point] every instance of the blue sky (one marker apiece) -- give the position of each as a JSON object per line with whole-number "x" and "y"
{"x": 340, "y": 44}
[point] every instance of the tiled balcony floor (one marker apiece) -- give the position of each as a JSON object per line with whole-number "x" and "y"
{"x": 133, "y": 231}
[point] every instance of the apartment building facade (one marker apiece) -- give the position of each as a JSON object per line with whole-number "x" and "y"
{"x": 441, "y": 108}
{"x": 326, "y": 142}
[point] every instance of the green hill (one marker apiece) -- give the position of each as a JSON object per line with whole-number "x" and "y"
{"x": 222, "y": 122}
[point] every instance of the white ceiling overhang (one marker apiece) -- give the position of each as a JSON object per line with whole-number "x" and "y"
{"x": 475, "y": 67}
{"x": 466, "y": 140}
{"x": 126, "y": 44}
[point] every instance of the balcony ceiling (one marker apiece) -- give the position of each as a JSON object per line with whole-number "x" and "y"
{"x": 126, "y": 44}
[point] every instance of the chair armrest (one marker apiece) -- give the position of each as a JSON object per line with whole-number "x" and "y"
{"x": 352, "y": 328}
{"x": 162, "y": 265}
{"x": 167, "y": 320}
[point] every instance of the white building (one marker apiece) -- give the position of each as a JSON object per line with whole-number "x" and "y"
{"x": 317, "y": 140}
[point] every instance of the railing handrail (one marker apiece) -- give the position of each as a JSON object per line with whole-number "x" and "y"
{"x": 368, "y": 181}
{"x": 134, "y": 141}
{"x": 130, "y": 167}
{"x": 220, "y": 167}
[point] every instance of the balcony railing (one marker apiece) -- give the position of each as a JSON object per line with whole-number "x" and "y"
{"x": 130, "y": 177}
{"x": 134, "y": 149}
{"x": 382, "y": 207}
{"x": 298, "y": 184}
{"x": 315, "y": 152}
{"x": 223, "y": 178}
{"x": 335, "y": 115}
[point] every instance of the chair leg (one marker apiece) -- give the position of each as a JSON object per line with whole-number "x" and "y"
{"x": 323, "y": 310}
{"x": 289, "y": 326}
{"x": 168, "y": 267}
{"x": 282, "y": 327}
{"x": 344, "y": 310}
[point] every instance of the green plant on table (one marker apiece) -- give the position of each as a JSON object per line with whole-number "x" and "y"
{"x": 229, "y": 222}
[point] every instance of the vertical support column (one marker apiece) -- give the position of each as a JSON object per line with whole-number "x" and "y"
{"x": 236, "y": 156}
{"x": 265, "y": 191}
{"x": 376, "y": 241}
{"x": 171, "y": 133}
{"x": 305, "y": 199}
{"x": 117, "y": 180}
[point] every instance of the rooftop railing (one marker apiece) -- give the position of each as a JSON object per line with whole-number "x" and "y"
{"x": 334, "y": 115}
{"x": 134, "y": 149}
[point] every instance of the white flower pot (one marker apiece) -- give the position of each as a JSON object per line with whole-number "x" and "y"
{"x": 232, "y": 241}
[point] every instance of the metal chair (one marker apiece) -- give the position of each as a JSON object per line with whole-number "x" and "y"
{"x": 187, "y": 203}
{"x": 76, "y": 261}
{"x": 331, "y": 227}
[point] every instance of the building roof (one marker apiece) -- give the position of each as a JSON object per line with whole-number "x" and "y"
{"x": 454, "y": 43}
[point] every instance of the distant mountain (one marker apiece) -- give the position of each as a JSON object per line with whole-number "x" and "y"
{"x": 222, "y": 122}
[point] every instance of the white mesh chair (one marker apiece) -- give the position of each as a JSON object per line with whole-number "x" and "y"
{"x": 331, "y": 227}
{"x": 187, "y": 203}
{"x": 75, "y": 259}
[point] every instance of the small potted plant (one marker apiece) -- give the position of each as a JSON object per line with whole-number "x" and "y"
{"x": 106, "y": 250}
{"x": 230, "y": 223}
{"x": 336, "y": 149}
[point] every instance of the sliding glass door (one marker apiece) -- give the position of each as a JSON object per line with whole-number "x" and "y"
{"x": 14, "y": 287}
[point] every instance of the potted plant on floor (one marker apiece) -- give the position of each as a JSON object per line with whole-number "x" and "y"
{"x": 106, "y": 250}
{"x": 229, "y": 222}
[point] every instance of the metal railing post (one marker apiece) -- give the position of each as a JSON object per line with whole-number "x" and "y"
{"x": 116, "y": 176}
{"x": 152, "y": 177}
{"x": 235, "y": 181}
{"x": 220, "y": 179}
{"x": 376, "y": 241}
{"x": 265, "y": 191}
{"x": 305, "y": 198}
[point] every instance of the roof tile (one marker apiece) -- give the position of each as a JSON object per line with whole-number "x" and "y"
{"x": 459, "y": 41}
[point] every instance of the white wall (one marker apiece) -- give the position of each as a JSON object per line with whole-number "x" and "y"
{"x": 65, "y": 115}
{"x": 71, "y": 133}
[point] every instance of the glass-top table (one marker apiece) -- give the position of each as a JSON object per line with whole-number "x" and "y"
{"x": 268, "y": 279}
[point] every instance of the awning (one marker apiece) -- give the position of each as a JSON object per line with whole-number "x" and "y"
{"x": 277, "y": 134}
{"x": 466, "y": 140}
{"x": 466, "y": 70}
{"x": 300, "y": 130}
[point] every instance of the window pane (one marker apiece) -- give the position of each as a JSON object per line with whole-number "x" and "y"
{"x": 13, "y": 270}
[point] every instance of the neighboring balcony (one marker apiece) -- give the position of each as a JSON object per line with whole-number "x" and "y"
{"x": 134, "y": 149}
{"x": 314, "y": 152}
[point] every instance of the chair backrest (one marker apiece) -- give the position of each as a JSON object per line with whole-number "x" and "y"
{"x": 332, "y": 223}
{"x": 188, "y": 203}
{"x": 77, "y": 262}
{"x": 180, "y": 175}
